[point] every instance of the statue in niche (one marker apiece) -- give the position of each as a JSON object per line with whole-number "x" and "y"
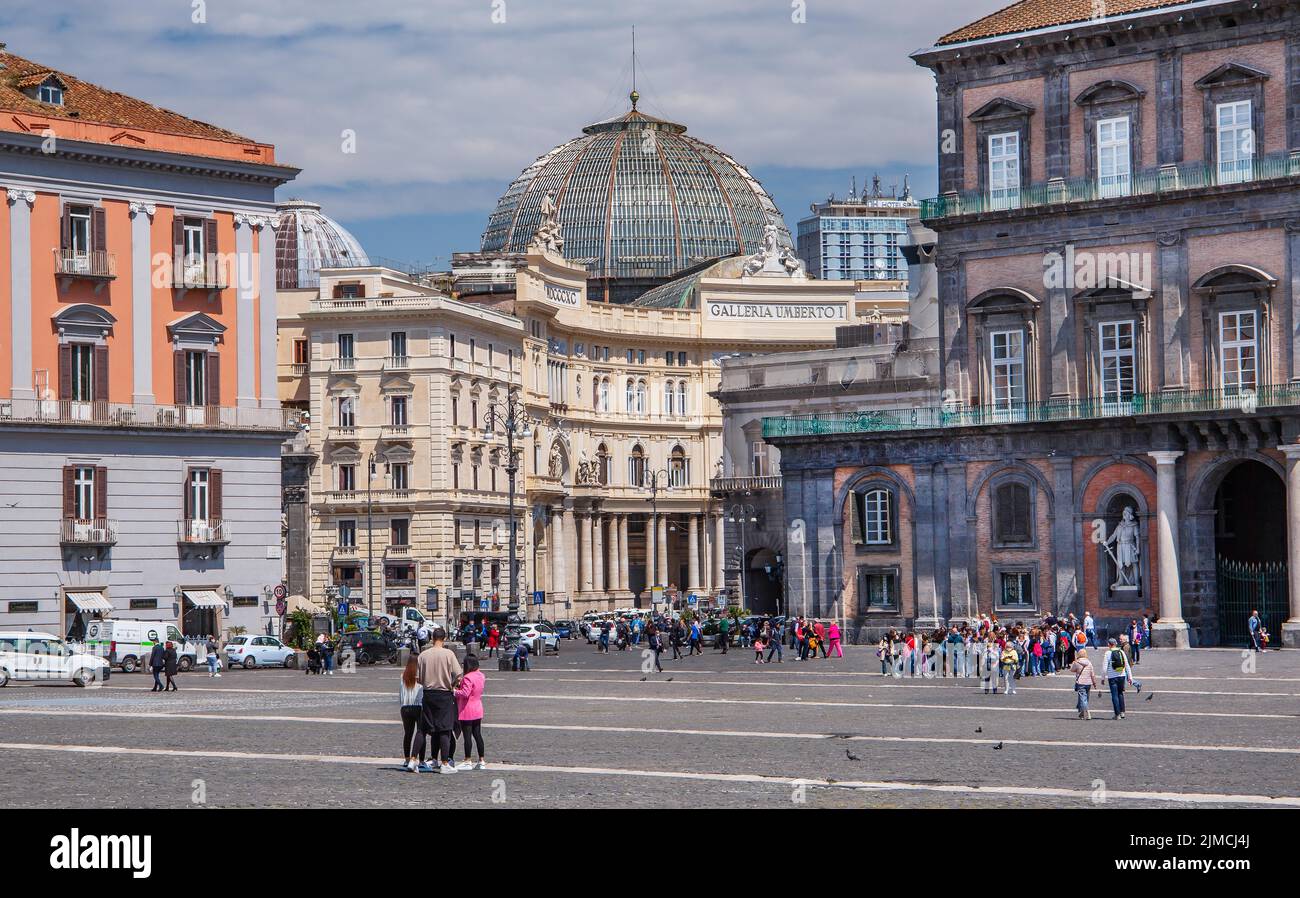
{"x": 1124, "y": 548}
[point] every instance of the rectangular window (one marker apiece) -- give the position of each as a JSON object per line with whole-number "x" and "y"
{"x": 478, "y": 534}
{"x": 1015, "y": 589}
{"x": 1007, "y": 358}
{"x": 1114, "y": 176}
{"x": 194, "y": 250}
{"x": 1118, "y": 357}
{"x": 347, "y": 478}
{"x": 198, "y": 487}
{"x": 669, "y": 357}
{"x": 1239, "y": 348}
{"x": 630, "y": 356}
{"x": 347, "y": 534}
{"x": 399, "y": 532}
{"x": 491, "y": 353}
{"x": 1004, "y": 170}
{"x": 456, "y": 534}
{"x": 347, "y": 412}
{"x": 877, "y": 526}
{"x": 301, "y": 352}
{"x": 83, "y": 494}
{"x": 1235, "y": 141}
{"x": 79, "y": 231}
{"x": 681, "y": 359}
{"x": 640, "y": 356}
{"x": 400, "y": 472}
{"x": 83, "y": 372}
{"x": 397, "y": 344}
{"x": 458, "y": 574}
{"x": 196, "y": 373}
{"x": 758, "y": 458}
{"x": 877, "y": 588}
{"x": 347, "y": 347}
{"x": 397, "y": 408}
{"x": 476, "y": 572}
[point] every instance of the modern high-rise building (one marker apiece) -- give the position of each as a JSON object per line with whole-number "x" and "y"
{"x": 140, "y": 423}
{"x": 860, "y": 237}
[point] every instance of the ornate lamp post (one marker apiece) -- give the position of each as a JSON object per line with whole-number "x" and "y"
{"x": 516, "y": 423}
{"x": 741, "y": 513}
{"x": 652, "y": 484}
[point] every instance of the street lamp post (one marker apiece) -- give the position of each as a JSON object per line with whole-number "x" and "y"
{"x": 515, "y": 422}
{"x": 652, "y": 484}
{"x": 370, "y": 535}
{"x": 740, "y": 513}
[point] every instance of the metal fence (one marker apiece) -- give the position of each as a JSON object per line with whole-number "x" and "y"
{"x": 1244, "y": 587}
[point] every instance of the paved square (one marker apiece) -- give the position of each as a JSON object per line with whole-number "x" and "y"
{"x": 586, "y": 730}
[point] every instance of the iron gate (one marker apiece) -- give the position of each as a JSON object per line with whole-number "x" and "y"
{"x": 1244, "y": 587}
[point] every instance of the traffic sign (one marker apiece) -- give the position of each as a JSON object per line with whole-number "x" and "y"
{"x": 484, "y": 604}
{"x": 539, "y": 597}
{"x": 279, "y": 592}
{"x": 344, "y": 591}
{"x": 281, "y": 606}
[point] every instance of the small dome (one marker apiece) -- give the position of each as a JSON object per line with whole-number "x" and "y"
{"x": 307, "y": 241}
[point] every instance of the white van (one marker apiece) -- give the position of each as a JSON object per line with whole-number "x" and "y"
{"x": 127, "y": 643}
{"x": 26, "y": 656}
{"x": 408, "y": 620}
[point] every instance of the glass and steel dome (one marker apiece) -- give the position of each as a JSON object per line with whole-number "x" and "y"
{"x": 307, "y": 241}
{"x": 638, "y": 202}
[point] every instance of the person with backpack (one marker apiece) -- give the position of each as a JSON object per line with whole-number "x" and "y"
{"x": 1049, "y": 652}
{"x": 1085, "y": 677}
{"x": 1118, "y": 673}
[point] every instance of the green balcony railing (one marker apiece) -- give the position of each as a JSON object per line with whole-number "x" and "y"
{"x": 937, "y": 417}
{"x": 1161, "y": 180}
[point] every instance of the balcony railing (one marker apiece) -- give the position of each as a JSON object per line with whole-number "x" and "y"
{"x": 344, "y": 364}
{"x": 1161, "y": 180}
{"x": 397, "y": 363}
{"x": 750, "y": 484}
{"x": 99, "y": 532}
{"x": 345, "y": 551}
{"x": 1180, "y": 402}
{"x": 191, "y": 273}
{"x": 398, "y": 551}
{"x": 95, "y": 264}
{"x": 138, "y": 414}
{"x": 203, "y": 532}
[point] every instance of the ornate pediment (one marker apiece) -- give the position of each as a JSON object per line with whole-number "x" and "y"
{"x": 999, "y": 108}
{"x": 83, "y": 320}
{"x": 1113, "y": 91}
{"x": 1001, "y": 299}
{"x": 196, "y": 327}
{"x": 1230, "y": 74}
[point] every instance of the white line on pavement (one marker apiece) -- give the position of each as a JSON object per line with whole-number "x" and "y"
{"x": 756, "y": 734}
{"x": 752, "y": 778}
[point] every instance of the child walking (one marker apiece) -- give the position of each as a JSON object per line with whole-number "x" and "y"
{"x": 469, "y": 711}
{"x": 759, "y": 646}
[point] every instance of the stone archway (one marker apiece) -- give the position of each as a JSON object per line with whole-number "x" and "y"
{"x": 763, "y": 586}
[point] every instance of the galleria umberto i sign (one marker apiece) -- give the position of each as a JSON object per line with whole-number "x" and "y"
{"x": 778, "y": 311}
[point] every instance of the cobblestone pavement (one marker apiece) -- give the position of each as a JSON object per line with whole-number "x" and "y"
{"x": 588, "y": 730}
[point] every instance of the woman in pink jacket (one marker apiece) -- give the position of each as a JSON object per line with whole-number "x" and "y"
{"x": 833, "y": 634}
{"x": 469, "y": 708}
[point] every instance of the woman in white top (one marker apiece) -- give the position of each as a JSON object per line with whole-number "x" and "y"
{"x": 1085, "y": 677}
{"x": 410, "y": 695}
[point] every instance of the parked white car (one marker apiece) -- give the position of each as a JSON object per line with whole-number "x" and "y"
{"x": 541, "y": 638}
{"x": 259, "y": 651}
{"x": 26, "y": 656}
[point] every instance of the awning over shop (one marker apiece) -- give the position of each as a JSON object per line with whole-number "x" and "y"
{"x": 89, "y": 601}
{"x": 204, "y": 598}
{"x": 296, "y": 602}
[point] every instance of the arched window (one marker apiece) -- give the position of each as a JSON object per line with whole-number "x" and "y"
{"x": 602, "y": 395}
{"x": 602, "y": 464}
{"x": 681, "y": 398}
{"x": 1013, "y": 514}
{"x": 636, "y": 466}
{"x": 631, "y": 396}
{"x": 641, "y": 393}
{"x": 669, "y": 408}
{"x": 679, "y": 468}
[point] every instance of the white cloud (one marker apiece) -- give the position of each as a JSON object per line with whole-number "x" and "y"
{"x": 448, "y": 107}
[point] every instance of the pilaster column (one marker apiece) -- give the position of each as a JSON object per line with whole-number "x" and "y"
{"x": 268, "y": 385}
{"x": 245, "y": 330}
{"x": 1291, "y": 626}
{"x": 693, "y": 558}
{"x": 651, "y": 549}
{"x": 1170, "y": 630}
{"x": 142, "y": 301}
{"x": 571, "y": 551}
{"x": 623, "y": 580}
{"x": 556, "y": 548}
{"x": 585, "y": 554}
{"x": 719, "y": 551}
{"x": 598, "y": 553}
{"x": 661, "y": 551}
{"x": 611, "y": 552}
{"x": 20, "y": 293}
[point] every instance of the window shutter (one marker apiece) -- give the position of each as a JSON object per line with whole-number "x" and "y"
{"x": 210, "y": 237}
{"x": 65, "y": 230}
{"x": 187, "y": 500}
{"x": 98, "y": 231}
{"x": 178, "y": 370}
{"x": 178, "y": 236}
{"x": 101, "y": 374}
{"x": 214, "y": 494}
{"x": 69, "y": 504}
{"x": 214, "y": 378}
{"x": 101, "y": 492}
{"x": 65, "y": 371}
{"x": 361, "y": 291}
{"x": 890, "y": 532}
{"x": 1021, "y": 505}
{"x": 338, "y": 291}
{"x": 855, "y": 506}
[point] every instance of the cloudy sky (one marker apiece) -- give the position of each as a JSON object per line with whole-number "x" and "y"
{"x": 448, "y": 102}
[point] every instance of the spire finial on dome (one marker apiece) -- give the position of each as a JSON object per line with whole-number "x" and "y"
{"x": 634, "y": 96}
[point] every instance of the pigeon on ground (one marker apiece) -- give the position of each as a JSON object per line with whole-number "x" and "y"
{"x": 998, "y": 747}
{"x": 1150, "y": 695}
{"x": 979, "y": 729}
{"x": 669, "y": 680}
{"x": 851, "y": 756}
{"x": 643, "y": 679}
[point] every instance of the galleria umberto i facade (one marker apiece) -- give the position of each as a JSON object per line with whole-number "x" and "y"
{"x": 614, "y": 490}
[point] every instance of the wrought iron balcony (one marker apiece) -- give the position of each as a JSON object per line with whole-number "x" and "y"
{"x": 93, "y": 265}
{"x": 1162, "y": 180}
{"x": 755, "y": 483}
{"x": 1178, "y": 402}
{"x": 193, "y": 273}
{"x": 97, "y": 532}
{"x": 203, "y": 532}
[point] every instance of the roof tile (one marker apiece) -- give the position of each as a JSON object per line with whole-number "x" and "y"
{"x": 1030, "y": 15}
